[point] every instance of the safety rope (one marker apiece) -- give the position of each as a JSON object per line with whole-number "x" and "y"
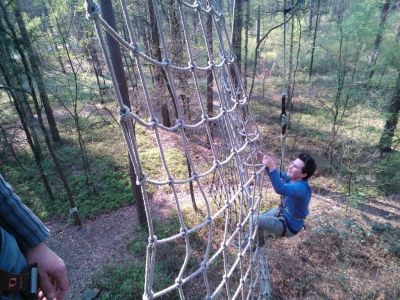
{"x": 283, "y": 115}
{"x": 284, "y": 49}
{"x": 240, "y": 134}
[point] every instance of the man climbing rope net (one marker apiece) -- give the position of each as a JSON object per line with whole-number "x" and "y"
{"x": 288, "y": 219}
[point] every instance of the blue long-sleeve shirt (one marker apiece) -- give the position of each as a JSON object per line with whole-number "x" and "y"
{"x": 18, "y": 220}
{"x": 297, "y": 196}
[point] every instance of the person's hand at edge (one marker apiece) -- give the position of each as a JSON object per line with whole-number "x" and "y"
{"x": 269, "y": 162}
{"x": 54, "y": 280}
{"x": 259, "y": 156}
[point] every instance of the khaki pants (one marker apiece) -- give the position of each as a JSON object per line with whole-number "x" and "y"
{"x": 271, "y": 222}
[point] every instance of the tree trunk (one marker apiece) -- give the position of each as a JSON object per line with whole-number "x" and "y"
{"x": 293, "y": 84}
{"x": 37, "y": 74}
{"x": 154, "y": 42}
{"x": 392, "y": 119}
{"x": 12, "y": 77}
{"x": 177, "y": 55}
{"x": 314, "y": 38}
{"x": 290, "y": 70}
{"x": 311, "y": 14}
{"x": 59, "y": 167}
{"x": 56, "y": 161}
{"x": 210, "y": 76}
{"x": 166, "y": 120}
{"x": 341, "y": 101}
{"x": 159, "y": 74}
{"x": 17, "y": 83}
{"x": 237, "y": 33}
{"x": 75, "y": 113}
{"x": 28, "y": 128}
{"x": 129, "y": 63}
{"x": 96, "y": 65}
{"x": 116, "y": 59}
{"x": 246, "y": 42}
{"x": 258, "y": 27}
{"x": 341, "y": 76}
{"x": 95, "y": 70}
{"x": 378, "y": 38}
{"x": 9, "y": 145}
{"x": 54, "y": 44}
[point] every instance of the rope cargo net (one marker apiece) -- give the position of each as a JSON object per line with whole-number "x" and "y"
{"x": 214, "y": 255}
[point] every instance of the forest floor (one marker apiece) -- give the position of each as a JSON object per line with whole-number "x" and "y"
{"x": 341, "y": 255}
{"x": 101, "y": 240}
{"x": 353, "y": 255}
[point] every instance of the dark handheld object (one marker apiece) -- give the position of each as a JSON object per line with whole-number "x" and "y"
{"x": 299, "y": 3}
{"x": 283, "y": 116}
{"x": 26, "y": 283}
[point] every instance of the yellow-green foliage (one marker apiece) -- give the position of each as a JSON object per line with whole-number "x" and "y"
{"x": 151, "y": 160}
{"x": 177, "y": 163}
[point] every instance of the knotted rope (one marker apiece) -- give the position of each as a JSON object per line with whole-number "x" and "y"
{"x": 240, "y": 273}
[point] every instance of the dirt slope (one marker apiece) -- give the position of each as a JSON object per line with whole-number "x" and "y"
{"x": 339, "y": 256}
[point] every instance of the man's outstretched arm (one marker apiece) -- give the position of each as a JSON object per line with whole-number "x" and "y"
{"x": 286, "y": 189}
{"x": 280, "y": 187}
{"x": 19, "y": 220}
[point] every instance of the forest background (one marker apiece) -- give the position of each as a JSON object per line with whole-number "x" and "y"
{"x": 61, "y": 146}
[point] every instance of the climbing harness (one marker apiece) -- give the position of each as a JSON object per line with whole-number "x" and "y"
{"x": 25, "y": 283}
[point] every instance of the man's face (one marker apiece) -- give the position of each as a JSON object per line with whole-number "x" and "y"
{"x": 295, "y": 170}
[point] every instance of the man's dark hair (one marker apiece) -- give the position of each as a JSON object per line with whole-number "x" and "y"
{"x": 309, "y": 165}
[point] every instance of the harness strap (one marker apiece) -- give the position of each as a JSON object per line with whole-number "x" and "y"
{"x": 281, "y": 218}
{"x": 293, "y": 217}
{"x": 285, "y": 228}
{"x": 26, "y": 282}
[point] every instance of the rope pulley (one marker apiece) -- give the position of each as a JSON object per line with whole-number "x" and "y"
{"x": 283, "y": 116}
